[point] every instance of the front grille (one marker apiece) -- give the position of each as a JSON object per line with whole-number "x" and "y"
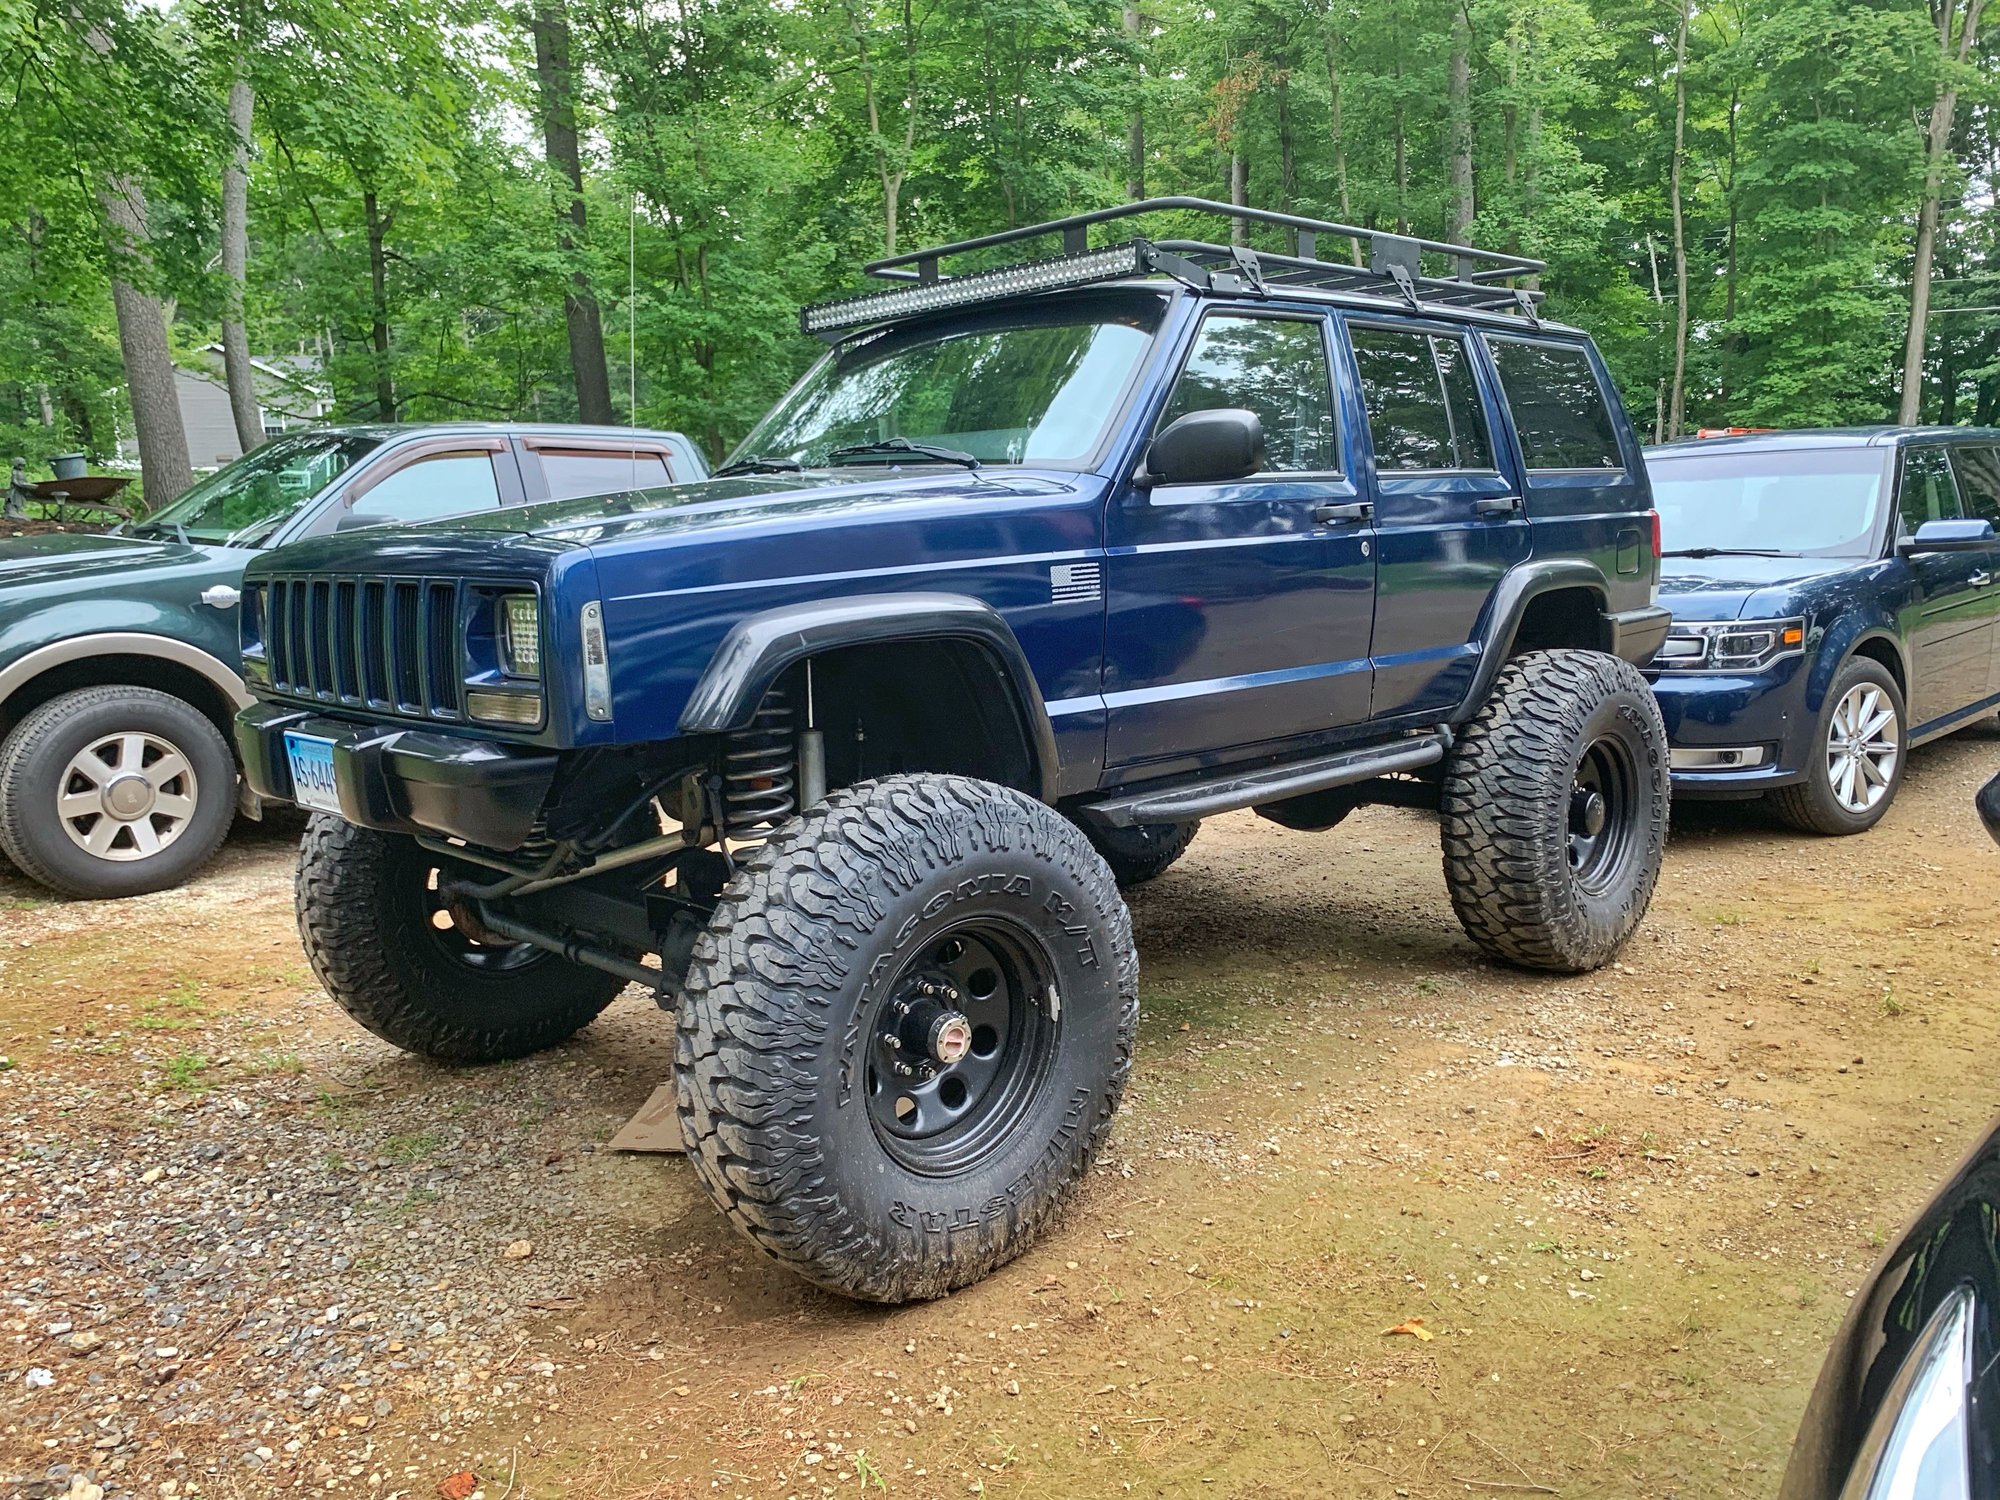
{"x": 391, "y": 645}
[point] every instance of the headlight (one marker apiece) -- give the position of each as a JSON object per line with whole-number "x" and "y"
{"x": 1730, "y": 645}
{"x": 520, "y": 635}
{"x": 1919, "y": 1443}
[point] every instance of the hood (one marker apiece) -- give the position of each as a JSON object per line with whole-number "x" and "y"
{"x": 1720, "y": 588}
{"x": 752, "y": 500}
{"x": 68, "y": 561}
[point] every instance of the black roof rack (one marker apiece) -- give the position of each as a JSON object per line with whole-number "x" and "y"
{"x": 1394, "y": 267}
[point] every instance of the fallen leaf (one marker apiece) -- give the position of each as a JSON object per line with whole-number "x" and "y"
{"x": 458, "y": 1486}
{"x": 1412, "y": 1326}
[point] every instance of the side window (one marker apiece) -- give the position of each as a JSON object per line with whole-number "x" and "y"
{"x": 1559, "y": 408}
{"x": 445, "y": 484}
{"x": 575, "y": 472}
{"x": 1978, "y": 472}
{"x": 1424, "y": 410}
{"x": 1927, "y": 492}
{"x": 1275, "y": 367}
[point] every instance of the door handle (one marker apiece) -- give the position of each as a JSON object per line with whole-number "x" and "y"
{"x": 1980, "y": 580}
{"x": 1497, "y": 505}
{"x": 1340, "y": 515}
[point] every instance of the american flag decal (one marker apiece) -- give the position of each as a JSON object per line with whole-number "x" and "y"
{"x": 1075, "y": 583}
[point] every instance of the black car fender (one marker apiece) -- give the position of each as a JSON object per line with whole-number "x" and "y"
{"x": 1634, "y": 634}
{"x": 758, "y": 650}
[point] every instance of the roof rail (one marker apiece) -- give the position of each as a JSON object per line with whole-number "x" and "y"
{"x": 1394, "y": 266}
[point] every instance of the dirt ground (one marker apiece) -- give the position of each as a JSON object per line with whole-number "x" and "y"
{"x": 246, "y": 1249}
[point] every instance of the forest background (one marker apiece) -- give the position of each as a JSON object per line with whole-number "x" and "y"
{"x": 1769, "y": 212}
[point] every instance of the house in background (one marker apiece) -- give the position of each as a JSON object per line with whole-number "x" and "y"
{"x": 288, "y": 397}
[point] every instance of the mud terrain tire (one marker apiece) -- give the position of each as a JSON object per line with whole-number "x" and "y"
{"x": 367, "y": 909}
{"x": 1555, "y": 811}
{"x": 1137, "y": 855}
{"x": 911, "y": 907}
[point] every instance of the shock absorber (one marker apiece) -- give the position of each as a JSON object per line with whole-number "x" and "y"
{"x": 760, "y": 775}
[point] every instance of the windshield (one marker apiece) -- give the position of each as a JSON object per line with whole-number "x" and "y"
{"x": 1824, "y": 502}
{"x": 251, "y": 498}
{"x": 1039, "y": 387}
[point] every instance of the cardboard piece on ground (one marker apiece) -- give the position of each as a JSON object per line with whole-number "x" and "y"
{"x": 654, "y": 1128}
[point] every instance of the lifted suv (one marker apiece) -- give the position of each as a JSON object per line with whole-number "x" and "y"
{"x": 845, "y": 752}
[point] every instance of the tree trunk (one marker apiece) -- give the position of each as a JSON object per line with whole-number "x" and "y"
{"x": 1135, "y": 129}
{"x": 1288, "y": 176}
{"x": 142, "y": 340}
{"x": 1459, "y": 109}
{"x": 378, "y": 304}
{"x": 1937, "y": 142}
{"x": 1333, "y": 43}
{"x": 1239, "y": 194}
{"x": 1677, "y": 402}
{"x": 555, "y": 78}
{"x": 236, "y": 368}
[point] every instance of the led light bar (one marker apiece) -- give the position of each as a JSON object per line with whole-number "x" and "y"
{"x": 1046, "y": 275}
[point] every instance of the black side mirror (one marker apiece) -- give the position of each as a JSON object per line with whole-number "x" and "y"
{"x": 1968, "y": 535}
{"x": 353, "y": 521}
{"x": 1207, "y": 447}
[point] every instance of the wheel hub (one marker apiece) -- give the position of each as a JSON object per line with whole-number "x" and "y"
{"x": 1587, "y": 812}
{"x": 128, "y": 797}
{"x": 959, "y": 1043}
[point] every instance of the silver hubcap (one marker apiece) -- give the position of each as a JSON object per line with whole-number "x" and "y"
{"x": 1862, "y": 743}
{"x": 126, "y": 797}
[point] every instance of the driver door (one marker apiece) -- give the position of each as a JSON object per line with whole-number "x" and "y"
{"x": 1240, "y": 612}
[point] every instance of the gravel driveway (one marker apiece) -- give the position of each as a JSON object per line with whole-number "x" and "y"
{"x": 247, "y": 1248}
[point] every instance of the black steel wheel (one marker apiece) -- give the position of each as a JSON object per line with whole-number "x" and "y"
{"x": 905, "y": 1032}
{"x": 415, "y": 968}
{"x": 1603, "y": 831}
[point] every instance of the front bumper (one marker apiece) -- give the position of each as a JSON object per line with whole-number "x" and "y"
{"x": 1741, "y": 710}
{"x": 405, "y": 780}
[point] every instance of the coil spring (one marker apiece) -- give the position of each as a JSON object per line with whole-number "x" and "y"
{"x": 760, "y": 775}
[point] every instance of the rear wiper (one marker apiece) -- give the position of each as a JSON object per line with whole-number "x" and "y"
{"x": 760, "y": 464}
{"x": 1725, "y": 552}
{"x": 904, "y": 445}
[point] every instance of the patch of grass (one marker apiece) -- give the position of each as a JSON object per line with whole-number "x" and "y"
{"x": 1723, "y": 916}
{"x": 1546, "y": 1247}
{"x": 1430, "y": 984}
{"x": 1891, "y": 1005}
{"x": 867, "y": 1472}
{"x": 184, "y": 1070}
{"x": 177, "y": 1010}
{"x": 287, "y": 1063}
{"x": 415, "y": 1146}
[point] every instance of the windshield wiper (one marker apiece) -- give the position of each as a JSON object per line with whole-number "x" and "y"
{"x": 904, "y": 445}
{"x": 760, "y": 464}
{"x": 1726, "y": 552}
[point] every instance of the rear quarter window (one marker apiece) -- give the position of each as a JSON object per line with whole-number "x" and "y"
{"x": 1559, "y": 408}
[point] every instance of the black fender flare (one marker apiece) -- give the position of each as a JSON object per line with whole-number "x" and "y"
{"x": 760, "y": 647}
{"x": 1521, "y": 586}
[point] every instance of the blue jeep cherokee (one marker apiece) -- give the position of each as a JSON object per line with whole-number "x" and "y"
{"x": 1836, "y": 600}
{"x": 845, "y": 752}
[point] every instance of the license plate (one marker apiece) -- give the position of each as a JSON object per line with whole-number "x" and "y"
{"x": 312, "y": 772}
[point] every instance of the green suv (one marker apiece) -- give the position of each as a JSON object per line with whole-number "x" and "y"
{"x": 118, "y": 651}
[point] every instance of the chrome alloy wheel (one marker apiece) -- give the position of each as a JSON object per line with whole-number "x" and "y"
{"x": 1863, "y": 741}
{"x": 127, "y": 796}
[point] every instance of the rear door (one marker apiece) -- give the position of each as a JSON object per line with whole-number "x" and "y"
{"x": 566, "y": 468}
{"x": 1239, "y": 612}
{"x": 1448, "y": 517}
{"x": 1950, "y": 640}
{"x": 1977, "y": 466}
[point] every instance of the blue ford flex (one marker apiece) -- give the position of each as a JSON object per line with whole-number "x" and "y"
{"x": 1836, "y": 600}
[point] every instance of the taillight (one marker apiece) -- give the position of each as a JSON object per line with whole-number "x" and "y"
{"x": 1656, "y": 535}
